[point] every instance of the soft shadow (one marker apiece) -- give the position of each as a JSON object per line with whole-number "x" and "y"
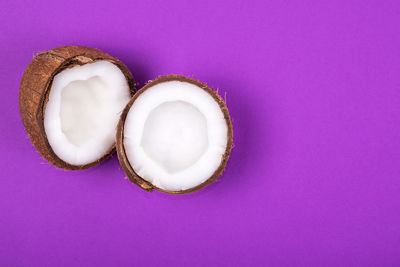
{"x": 253, "y": 137}
{"x": 138, "y": 62}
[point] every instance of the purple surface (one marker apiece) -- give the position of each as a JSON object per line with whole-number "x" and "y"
{"x": 313, "y": 88}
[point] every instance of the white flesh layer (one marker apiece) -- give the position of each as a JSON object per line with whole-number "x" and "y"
{"x": 84, "y": 106}
{"x": 175, "y": 135}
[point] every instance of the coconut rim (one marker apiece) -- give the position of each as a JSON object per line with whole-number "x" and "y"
{"x": 70, "y": 62}
{"x": 121, "y": 153}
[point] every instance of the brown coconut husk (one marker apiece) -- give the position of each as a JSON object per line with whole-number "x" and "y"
{"x": 35, "y": 88}
{"x": 123, "y": 159}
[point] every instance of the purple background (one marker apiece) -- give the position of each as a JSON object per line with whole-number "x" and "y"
{"x": 313, "y": 88}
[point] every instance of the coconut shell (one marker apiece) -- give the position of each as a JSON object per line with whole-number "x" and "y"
{"x": 35, "y": 87}
{"x": 123, "y": 159}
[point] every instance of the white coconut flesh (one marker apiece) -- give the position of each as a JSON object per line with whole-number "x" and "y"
{"x": 175, "y": 135}
{"x": 83, "y": 109}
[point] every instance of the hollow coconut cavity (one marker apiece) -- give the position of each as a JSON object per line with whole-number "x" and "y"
{"x": 175, "y": 135}
{"x": 70, "y": 101}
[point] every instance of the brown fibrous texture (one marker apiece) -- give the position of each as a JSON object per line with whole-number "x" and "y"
{"x": 123, "y": 159}
{"x": 35, "y": 88}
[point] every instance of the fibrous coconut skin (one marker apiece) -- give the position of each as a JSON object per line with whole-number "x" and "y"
{"x": 122, "y": 154}
{"x": 35, "y": 88}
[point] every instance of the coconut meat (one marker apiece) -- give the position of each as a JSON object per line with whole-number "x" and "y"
{"x": 83, "y": 109}
{"x": 175, "y": 135}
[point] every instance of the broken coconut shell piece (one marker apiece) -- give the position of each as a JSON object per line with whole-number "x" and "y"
{"x": 70, "y": 101}
{"x": 175, "y": 136}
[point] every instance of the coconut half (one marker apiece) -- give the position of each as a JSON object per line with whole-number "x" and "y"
{"x": 70, "y": 101}
{"x": 175, "y": 135}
